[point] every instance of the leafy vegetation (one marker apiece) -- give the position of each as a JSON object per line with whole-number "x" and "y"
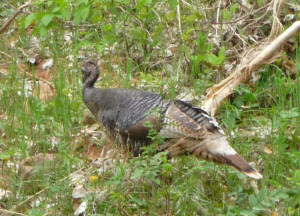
{"x": 47, "y": 139}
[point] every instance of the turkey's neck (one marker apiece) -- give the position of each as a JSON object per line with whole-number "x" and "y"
{"x": 90, "y": 81}
{"x": 89, "y": 98}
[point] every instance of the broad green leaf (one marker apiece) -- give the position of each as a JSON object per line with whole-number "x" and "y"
{"x": 212, "y": 59}
{"x": 85, "y": 12}
{"x": 77, "y": 17}
{"x": 66, "y": 14}
{"x": 56, "y": 9}
{"x": 46, "y": 19}
{"x": 81, "y": 14}
{"x": 292, "y": 113}
{"x": 30, "y": 19}
{"x": 216, "y": 60}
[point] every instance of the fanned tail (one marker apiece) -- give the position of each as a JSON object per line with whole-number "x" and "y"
{"x": 214, "y": 147}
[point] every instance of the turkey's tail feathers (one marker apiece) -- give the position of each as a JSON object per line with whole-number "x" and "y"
{"x": 240, "y": 164}
{"x": 214, "y": 147}
{"x": 222, "y": 152}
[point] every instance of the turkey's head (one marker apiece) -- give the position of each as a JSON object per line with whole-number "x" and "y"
{"x": 90, "y": 73}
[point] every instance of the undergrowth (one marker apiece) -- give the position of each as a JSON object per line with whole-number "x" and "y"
{"x": 45, "y": 140}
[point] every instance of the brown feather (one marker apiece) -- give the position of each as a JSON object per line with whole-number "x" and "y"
{"x": 141, "y": 130}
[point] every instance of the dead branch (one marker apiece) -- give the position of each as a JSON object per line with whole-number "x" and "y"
{"x": 252, "y": 61}
{"x": 7, "y": 212}
{"x": 8, "y": 22}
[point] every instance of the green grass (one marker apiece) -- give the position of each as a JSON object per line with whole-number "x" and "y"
{"x": 266, "y": 114}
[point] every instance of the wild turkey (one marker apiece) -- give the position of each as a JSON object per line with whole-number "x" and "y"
{"x": 187, "y": 129}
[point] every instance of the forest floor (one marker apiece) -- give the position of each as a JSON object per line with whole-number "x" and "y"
{"x": 55, "y": 158}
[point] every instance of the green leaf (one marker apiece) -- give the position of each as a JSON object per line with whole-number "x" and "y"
{"x": 216, "y": 60}
{"x": 46, "y": 19}
{"x": 35, "y": 212}
{"x": 84, "y": 13}
{"x": 56, "y": 9}
{"x": 137, "y": 174}
{"x": 292, "y": 113}
{"x": 212, "y": 59}
{"x": 259, "y": 2}
{"x": 253, "y": 201}
{"x": 43, "y": 31}
{"x": 83, "y": 2}
{"x": 173, "y": 4}
{"x": 202, "y": 42}
{"x": 247, "y": 213}
{"x": 81, "y": 14}
{"x": 66, "y": 14}
{"x": 142, "y": 3}
{"x": 30, "y": 19}
{"x": 221, "y": 54}
{"x": 238, "y": 101}
{"x": 137, "y": 201}
{"x": 4, "y": 156}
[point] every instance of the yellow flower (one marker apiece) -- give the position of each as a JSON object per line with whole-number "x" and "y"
{"x": 93, "y": 179}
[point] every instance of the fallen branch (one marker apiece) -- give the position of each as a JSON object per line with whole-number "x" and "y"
{"x": 253, "y": 60}
{"x": 7, "y": 212}
{"x": 8, "y": 22}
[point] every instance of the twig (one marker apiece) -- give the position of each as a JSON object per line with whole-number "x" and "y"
{"x": 70, "y": 24}
{"x": 177, "y": 72}
{"x": 188, "y": 4}
{"x": 252, "y": 61}
{"x": 7, "y": 212}
{"x": 217, "y": 19}
{"x": 241, "y": 18}
{"x": 195, "y": 7}
{"x": 8, "y": 22}
{"x": 139, "y": 22}
{"x": 179, "y": 19}
{"x": 5, "y": 54}
{"x": 236, "y": 34}
{"x": 276, "y": 26}
{"x": 159, "y": 19}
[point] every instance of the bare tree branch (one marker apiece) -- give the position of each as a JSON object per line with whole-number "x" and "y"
{"x": 8, "y": 22}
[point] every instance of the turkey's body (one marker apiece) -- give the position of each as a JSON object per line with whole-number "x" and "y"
{"x": 125, "y": 113}
{"x": 186, "y": 129}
